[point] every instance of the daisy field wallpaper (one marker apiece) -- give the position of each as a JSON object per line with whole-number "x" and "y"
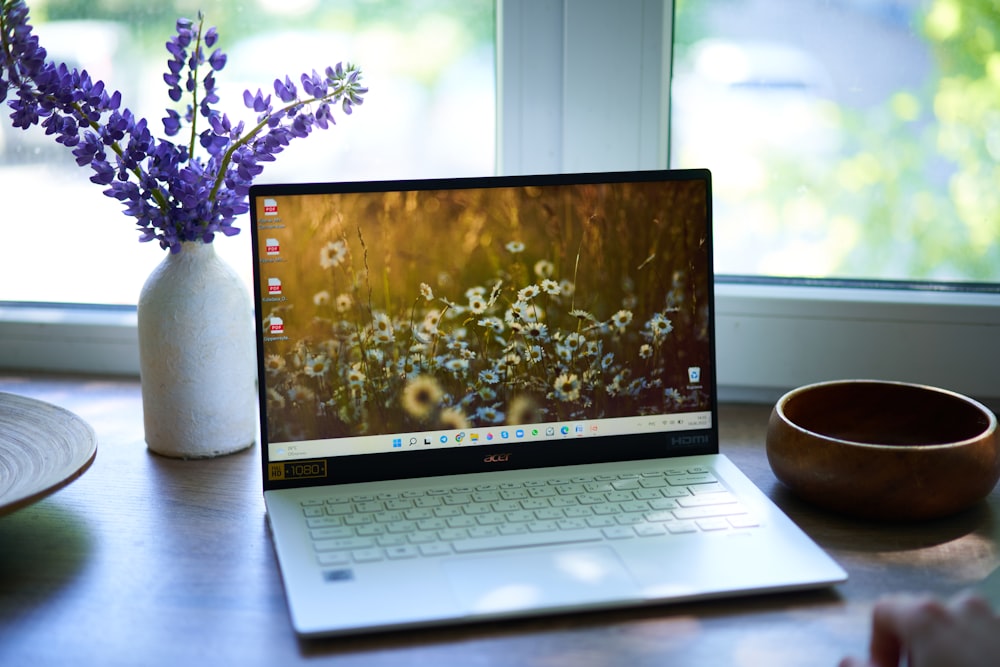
{"x": 462, "y": 308}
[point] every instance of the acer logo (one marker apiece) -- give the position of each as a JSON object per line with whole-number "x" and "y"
{"x": 689, "y": 440}
{"x": 497, "y": 458}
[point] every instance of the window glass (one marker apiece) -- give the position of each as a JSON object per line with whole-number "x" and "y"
{"x": 430, "y": 112}
{"x": 848, "y": 138}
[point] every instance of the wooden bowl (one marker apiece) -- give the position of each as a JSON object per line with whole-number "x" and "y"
{"x": 884, "y": 450}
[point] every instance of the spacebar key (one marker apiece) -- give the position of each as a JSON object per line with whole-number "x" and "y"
{"x": 525, "y": 540}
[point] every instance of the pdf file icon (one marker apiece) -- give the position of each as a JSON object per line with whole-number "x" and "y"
{"x": 277, "y": 326}
{"x": 272, "y": 247}
{"x": 270, "y": 207}
{"x": 273, "y": 286}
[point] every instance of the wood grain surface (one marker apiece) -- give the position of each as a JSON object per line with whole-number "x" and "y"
{"x": 146, "y": 560}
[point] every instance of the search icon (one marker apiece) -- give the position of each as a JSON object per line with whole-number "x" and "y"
{"x": 413, "y": 441}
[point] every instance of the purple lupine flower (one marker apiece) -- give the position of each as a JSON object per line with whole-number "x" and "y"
{"x": 173, "y": 194}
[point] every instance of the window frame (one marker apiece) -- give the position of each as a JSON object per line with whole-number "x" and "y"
{"x": 770, "y": 336}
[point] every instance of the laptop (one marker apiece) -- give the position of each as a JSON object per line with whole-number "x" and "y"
{"x": 487, "y": 398}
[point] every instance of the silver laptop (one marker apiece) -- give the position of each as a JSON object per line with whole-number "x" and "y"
{"x": 495, "y": 397}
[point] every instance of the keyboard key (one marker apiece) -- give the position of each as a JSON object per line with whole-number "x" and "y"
{"x": 680, "y": 527}
{"x": 423, "y": 537}
{"x": 330, "y": 533}
{"x": 339, "y": 509}
{"x": 688, "y": 480}
{"x": 343, "y": 543}
{"x": 334, "y": 558}
{"x": 601, "y": 521}
{"x": 367, "y": 555}
{"x": 401, "y": 552}
{"x": 453, "y": 534}
{"x": 709, "y": 511}
{"x": 435, "y": 549}
{"x": 324, "y": 522}
{"x": 707, "y": 499}
{"x": 618, "y": 532}
{"x": 390, "y": 540}
{"x": 713, "y": 524}
{"x": 650, "y": 530}
{"x": 399, "y": 504}
{"x": 542, "y": 526}
{"x": 526, "y": 540}
{"x": 483, "y": 531}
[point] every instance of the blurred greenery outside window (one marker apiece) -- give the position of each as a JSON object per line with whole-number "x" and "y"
{"x": 429, "y": 64}
{"x": 848, "y": 138}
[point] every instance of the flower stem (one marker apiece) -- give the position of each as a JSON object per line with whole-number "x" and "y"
{"x": 195, "y": 60}
{"x": 249, "y": 136}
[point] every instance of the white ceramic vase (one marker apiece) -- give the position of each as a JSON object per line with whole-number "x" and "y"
{"x": 197, "y": 356}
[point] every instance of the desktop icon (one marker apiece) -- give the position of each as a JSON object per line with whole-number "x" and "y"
{"x": 273, "y": 287}
{"x": 277, "y": 326}
{"x": 270, "y": 207}
{"x": 272, "y": 247}
{"x": 694, "y": 374}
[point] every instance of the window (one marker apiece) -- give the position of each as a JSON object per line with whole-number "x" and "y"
{"x": 850, "y": 140}
{"x": 565, "y": 105}
{"x": 430, "y": 112}
{"x": 584, "y": 85}
{"x": 854, "y": 139}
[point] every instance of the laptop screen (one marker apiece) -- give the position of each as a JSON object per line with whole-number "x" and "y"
{"x": 531, "y": 319}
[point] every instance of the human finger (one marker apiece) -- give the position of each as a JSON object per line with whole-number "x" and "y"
{"x": 899, "y": 620}
{"x": 851, "y": 661}
{"x": 969, "y": 602}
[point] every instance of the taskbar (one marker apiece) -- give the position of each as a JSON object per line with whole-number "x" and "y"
{"x": 492, "y": 435}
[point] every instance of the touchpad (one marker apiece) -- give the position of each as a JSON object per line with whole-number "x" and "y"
{"x": 564, "y": 577}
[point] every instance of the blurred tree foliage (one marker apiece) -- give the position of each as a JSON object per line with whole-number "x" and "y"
{"x": 924, "y": 165}
{"x": 966, "y": 104}
{"x": 253, "y": 16}
{"x": 151, "y": 23}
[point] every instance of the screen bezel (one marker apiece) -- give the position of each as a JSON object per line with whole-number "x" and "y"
{"x": 481, "y": 458}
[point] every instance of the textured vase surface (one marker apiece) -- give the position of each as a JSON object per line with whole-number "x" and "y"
{"x": 197, "y": 356}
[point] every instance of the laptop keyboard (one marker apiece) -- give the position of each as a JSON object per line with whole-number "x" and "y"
{"x": 459, "y": 520}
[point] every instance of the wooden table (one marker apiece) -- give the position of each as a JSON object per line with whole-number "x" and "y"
{"x": 146, "y": 561}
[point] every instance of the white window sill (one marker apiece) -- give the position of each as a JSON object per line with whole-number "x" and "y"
{"x": 69, "y": 338}
{"x": 770, "y": 338}
{"x": 774, "y": 337}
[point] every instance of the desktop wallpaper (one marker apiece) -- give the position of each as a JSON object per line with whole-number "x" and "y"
{"x": 392, "y": 312}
